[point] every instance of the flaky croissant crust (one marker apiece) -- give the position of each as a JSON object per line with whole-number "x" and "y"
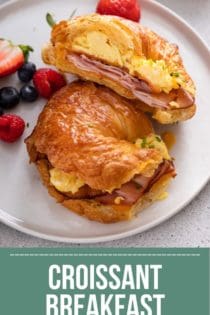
{"x": 132, "y": 39}
{"x": 129, "y": 36}
{"x": 94, "y": 210}
{"x": 90, "y": 130}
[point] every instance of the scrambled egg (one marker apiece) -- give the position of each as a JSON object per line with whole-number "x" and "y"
{"x": 154, "y": 142}
{"x": 65, "y": 182}
{"x": 156, "y": 73}
{"x": 69, "y": 182}
{"x": 98, "y": 44}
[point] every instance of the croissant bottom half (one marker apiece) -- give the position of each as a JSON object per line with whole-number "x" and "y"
{"x": 97, "y": 154}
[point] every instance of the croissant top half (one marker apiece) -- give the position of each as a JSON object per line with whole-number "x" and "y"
{"x": 91, "y": 131}
{"x": 127, "y": 57}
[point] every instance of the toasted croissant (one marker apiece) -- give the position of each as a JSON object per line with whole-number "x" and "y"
{"x": 89, "y": 133}
{"x": 128, "y": 58}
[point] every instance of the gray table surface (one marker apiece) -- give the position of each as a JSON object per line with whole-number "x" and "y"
{"x": 189, "y": 228}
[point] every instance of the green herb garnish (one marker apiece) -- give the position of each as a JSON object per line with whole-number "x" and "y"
{"x": 144, "y": 143}
{"x": 174, "y": 74}
{"x": 151, "y": 146}
{"x": 158, "y": 138}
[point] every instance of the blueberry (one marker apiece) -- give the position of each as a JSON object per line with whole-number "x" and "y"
{"x": 26, "y": 72}
{"x": 9, "y": 97}
{"x": 28, "y": 93}
{"x": 1, "y": 111}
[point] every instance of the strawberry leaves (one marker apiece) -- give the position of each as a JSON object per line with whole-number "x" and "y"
{"x": 52, "y": 22}
{"x": 26, "y": 49}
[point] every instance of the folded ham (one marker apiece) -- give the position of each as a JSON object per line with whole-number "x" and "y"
{"x": 130, "y": 192}
{"x": 140, "y": 89}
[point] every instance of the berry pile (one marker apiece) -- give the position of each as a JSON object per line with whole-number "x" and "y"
{"x": 45, "y": 83}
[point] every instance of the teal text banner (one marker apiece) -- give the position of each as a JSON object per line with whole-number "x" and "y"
{"x": 104, "y": 281}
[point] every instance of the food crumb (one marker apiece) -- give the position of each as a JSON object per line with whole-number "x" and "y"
{"x": 118, "y": 200}
{"x": 163, "y": 196}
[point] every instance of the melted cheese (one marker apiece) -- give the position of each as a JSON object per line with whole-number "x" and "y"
{"x": 99, "y": 45}
{"x": 154, "y": 142}
{"x": 65, "y": 182}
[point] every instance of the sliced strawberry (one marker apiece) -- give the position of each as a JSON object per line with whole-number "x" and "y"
{"x": 11, "y": 58}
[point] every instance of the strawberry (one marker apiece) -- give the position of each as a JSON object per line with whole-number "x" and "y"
{"x": 11, "y": 57}
{"x": 48, "y": 81}
{"x": 128, "y": 9}
{"x": 11, "y": 127}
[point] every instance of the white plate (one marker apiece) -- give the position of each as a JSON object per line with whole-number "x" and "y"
{"x": 25, "y": 203}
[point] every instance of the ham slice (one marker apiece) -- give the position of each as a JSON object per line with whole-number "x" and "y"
{"x": 129, "y": 193}
{"x": 140, "y": 89}
{"x": 133, "y": 190}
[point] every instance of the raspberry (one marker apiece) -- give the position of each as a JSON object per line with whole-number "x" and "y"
{"x": 128, "y": 9}
{"x": 48, "y": 81}
{"x": 11, "y": 127}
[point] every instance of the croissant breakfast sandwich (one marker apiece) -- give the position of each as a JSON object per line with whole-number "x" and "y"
{"x": 97, "y": 155}
{"x": 127, "y": 57}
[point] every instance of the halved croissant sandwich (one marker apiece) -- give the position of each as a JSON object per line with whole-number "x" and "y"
{"x": 98, "y": 155}
{"x": 127, "y": 57}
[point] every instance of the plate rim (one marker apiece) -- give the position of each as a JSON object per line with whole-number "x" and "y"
{"x": 11, "y": 221}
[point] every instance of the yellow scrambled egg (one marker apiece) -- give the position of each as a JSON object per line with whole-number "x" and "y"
{"x": 69, "y": 182}
{"x": 156, "y": 73}
{"x": 65, "y": 182}
{"x": 98, "y": 45}
{"x": 154, "y": 142}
